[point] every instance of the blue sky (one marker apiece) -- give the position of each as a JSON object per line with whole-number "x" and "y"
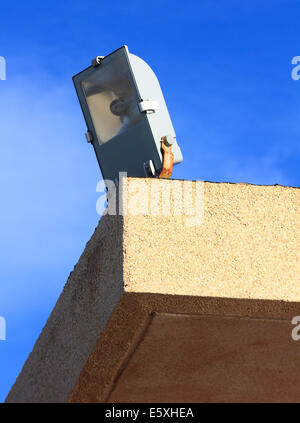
{"x": 225, "y": 70}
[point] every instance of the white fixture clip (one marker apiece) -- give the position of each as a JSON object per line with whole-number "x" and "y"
{"x": 148, "y": 106}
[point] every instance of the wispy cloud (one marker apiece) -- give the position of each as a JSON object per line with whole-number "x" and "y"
{"x": 48, "y": 177}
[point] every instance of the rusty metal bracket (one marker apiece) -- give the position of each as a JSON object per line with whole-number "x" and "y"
{"x": 168, "y": 159}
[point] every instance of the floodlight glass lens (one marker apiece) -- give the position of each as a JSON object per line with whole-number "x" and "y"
{"x": 112, "y": 101}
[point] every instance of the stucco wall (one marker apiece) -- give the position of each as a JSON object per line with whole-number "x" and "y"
{"x": 238, "y": 254}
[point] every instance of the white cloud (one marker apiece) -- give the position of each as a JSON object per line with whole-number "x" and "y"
{"x": 48, "y": 175}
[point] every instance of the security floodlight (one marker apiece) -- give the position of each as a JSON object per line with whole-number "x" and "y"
{"x": 127, "y": 117}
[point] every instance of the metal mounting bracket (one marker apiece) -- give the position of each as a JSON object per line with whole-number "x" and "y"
{"x": 148, "y": 106}
{"x": 168, "y": 159}
{"x": 89, "y": 137}
{"x": 97, "y": 61}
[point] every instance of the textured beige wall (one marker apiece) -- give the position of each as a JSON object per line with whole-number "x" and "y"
{"x": 248, "y": 245}
{"x": 241, "y": 259}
